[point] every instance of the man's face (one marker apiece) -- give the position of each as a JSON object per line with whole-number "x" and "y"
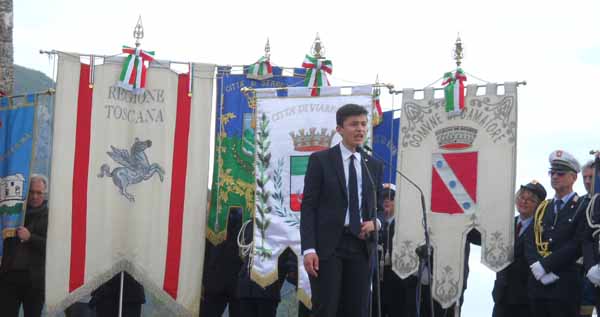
{"x": 36, "y": 193}
{"x": 353, "y": 130}
{"x": 388, "y": 207}
{"x": 587, "y": 178}
{"x": 526, "y": 204}
{"x": 562, "y": 180}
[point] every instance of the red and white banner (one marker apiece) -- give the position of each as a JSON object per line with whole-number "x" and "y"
{"x": 465, "y": 164}
{"x": 129, "y": 185}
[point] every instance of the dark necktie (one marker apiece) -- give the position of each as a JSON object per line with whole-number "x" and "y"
{"x": 558, "y": 203}
{"x": 518, "y": 230}
{"x": 353, "y": 199}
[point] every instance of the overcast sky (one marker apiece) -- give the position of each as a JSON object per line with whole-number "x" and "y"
{"x": 553, "y": 45}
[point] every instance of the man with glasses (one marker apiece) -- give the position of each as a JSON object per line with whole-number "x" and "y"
{"x": 22, "y": 273}
{"x": 510, "y": 289}
{"x": 554, "y": 245}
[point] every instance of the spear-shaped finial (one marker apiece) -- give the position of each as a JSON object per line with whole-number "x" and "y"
{"x": 458, "y": 51}
{"x": 268, "y": 50}
{"x": 138, "y": 32}
{"x": 318, "y": 49}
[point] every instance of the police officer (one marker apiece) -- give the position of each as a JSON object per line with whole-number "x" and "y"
{"x": 553, "y": 246}
{"x": 591, "y": 256}
{"x": 510, "y": 288}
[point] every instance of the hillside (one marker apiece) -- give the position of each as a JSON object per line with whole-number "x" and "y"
{"x": 29, "y": 80}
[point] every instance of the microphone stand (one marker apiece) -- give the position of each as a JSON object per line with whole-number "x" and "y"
{"x": 373, "y": 260}
{"x": 424, "y": 255}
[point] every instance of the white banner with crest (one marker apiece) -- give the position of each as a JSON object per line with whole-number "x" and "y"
{"x": 465, "y": 164}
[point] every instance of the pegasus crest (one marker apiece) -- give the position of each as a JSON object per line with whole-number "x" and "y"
{"x": 134, "y": 169}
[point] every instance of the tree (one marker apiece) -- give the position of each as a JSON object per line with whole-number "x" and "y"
{"x": 6, "y": 47}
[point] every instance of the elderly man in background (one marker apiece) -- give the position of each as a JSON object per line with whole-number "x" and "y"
{"x": 23, "y": 264}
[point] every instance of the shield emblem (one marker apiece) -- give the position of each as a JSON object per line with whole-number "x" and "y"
{"x": 298, "y": 165}
{"x": 454, "y": 183}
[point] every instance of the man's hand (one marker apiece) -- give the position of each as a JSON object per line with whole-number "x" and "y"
{"x": 23, "y": 234}
{"x": 365, "y": 228}
{"x": 538, "y": 270}
{"x": 593, "y": 274}
{"x": 311, "y": 264}
{"x": 549, "y": 278}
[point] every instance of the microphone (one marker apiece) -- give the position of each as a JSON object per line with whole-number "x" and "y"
{"x": 424, "y": 255}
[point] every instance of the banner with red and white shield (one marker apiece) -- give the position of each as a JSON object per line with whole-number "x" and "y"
{"x": 465, "y": 164}
{"x": 290, "y": 126}
{"x": 129, "y": 191}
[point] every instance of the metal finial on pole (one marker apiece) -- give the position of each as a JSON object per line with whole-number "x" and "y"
{"x": 458, "y": 51}
{"x": 138, "y": 32}
{"x": 268, "y": 50}
{"x": 318, "y": 49}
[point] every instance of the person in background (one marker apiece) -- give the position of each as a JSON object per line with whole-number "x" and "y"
{"x": 105, "y": 299}
{"x": 22, "y": 272}
{"x": 510, "y": 289}
{"x": 222, "y": 263}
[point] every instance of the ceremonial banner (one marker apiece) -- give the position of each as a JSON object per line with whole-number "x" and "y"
{"x": 465, "y": 164}
{"x": 233, "y": 175}
{"x": 385, "y": 145}
{"x": 290, "y": 126}
{"x": 17, "y": 117}
{"x": 131, "y": 173}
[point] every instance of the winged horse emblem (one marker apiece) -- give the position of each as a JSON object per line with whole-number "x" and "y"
{"x": 135, "y": 167}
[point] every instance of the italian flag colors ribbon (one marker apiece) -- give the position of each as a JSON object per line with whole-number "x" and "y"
{"x": 260, "y": 70}
{"x": 454, "y": 92}
{"x": 133, "y": 74}
{"x": 377, "y": 114}
{"x": 316, "y": 73}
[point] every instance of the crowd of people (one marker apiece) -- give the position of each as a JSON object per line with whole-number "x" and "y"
{"x": 555, "y": 271}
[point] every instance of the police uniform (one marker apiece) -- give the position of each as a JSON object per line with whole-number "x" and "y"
{"x": 553, "y": 247}
{"x": 591, "y": 248}
{"x": 510, "y": 289}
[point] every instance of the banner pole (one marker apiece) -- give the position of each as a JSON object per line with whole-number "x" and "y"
{"x": 121, "y": 295}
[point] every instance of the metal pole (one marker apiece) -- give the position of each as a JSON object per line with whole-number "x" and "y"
{"x": 121, "y": 295}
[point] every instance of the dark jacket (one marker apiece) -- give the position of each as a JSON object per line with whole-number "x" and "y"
{"x": 133, "y": 292}
{"x": 511, "y": 283}
{"x": 563, "y": 232}
{"x": 31, "y": 255}
{"x": 325, "y": 200}
{"x": 222, "y": 262}
{"x": 590, "y": 244}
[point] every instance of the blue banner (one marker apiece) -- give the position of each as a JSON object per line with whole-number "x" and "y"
{"x": 17, "y": 117}
{"x": 233, "y": 175}
{"x": 385, "y": 144}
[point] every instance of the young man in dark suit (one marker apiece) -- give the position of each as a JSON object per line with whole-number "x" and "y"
{"x": 336, "y": 227}
{"x": 510, "y": 289}
{"x": 554, "y": 245}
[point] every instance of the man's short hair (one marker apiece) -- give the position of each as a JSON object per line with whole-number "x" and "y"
{"x": 41, "y": 178}
{"x": 348, "y": 110}
{"x": 588, "y": 164}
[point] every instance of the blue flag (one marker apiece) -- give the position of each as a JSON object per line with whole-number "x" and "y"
{"x": 17, "y": 117}
{"x": 385, "y": 144}
{"x": 233, "y": 175}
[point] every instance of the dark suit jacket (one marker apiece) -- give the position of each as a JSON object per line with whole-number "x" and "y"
{"x": 511, "y": 283}
{"x": 564, "y": 241}
{"x": 590, "y": 245}
{"x": 325, "y": 200}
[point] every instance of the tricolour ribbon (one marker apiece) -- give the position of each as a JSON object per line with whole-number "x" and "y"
{"x": 316, "y": 73}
